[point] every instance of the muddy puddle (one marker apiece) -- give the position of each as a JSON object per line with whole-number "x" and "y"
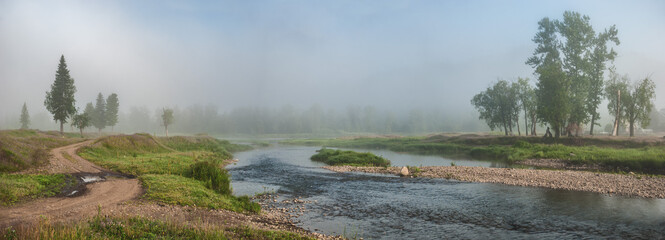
{"x": 77, "y": 185}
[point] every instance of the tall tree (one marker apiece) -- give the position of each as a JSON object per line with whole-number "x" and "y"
{"x": 60, "y": 100}
{"x": 578, "y": 36}
{"x": 527, "y": 98}
{"x": 552, "y": 86}
{"x": 639, "y": 103}
{"x": 599, "y": 56}
{"x": 25, "y": 117}
{"x": 111, "y": 113}
{"x": 81, "y": 121}
{"x": 99, "y": 115}
{"x": 167, "y": 119}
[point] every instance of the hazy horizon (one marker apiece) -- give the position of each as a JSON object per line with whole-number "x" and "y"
{"x": 394, "y": 55}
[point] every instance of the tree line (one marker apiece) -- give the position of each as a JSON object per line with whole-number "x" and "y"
{"x": 570, "y": 62}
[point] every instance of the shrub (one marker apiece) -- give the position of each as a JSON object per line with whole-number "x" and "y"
{"x": 211, "y": 173}
{"x": 338, "y": 157}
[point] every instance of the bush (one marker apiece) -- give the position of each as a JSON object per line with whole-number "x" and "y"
{"x": 338, "y": 157}
{"x": 211, "y": 173}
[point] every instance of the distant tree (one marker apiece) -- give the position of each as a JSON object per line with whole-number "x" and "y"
{"x": 99, "y": 115}
{"x": 527, "y": 98}
{"x": 497, "y": 106}
{"x": 639, "y": 103}
{"x": 615, "y": 90}
{"x": 89, "y": 110}
{"x": 167, "y": 119}
{"x": 111, "y": 113}
{"x": 25, "y": 117}
{"x": 81, "y": 121}
{"x": 60, "y": 100}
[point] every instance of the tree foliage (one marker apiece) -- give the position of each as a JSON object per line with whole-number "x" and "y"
{"x": 498, "y": 106}
{"x": 99, "y": 115}
{"x": 60, "y": 100}
{"x": 639, "y": 103}
{"x": 81, "y": 121}
{"x": 167, "y": 119}
{"x": 25, "y": 117}
{"x": 111, "y": 113}
{"x": 570, "y": 61}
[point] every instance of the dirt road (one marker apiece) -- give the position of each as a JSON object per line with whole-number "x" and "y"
{"x": 107, "y": 194}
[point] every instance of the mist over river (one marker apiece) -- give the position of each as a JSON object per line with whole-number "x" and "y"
{"x": 388, "y": 207}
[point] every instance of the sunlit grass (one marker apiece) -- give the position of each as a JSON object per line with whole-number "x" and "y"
{"x": 107, "y": 227}
{"x": 14, "y": 188}
{"x": 176, "y": 170}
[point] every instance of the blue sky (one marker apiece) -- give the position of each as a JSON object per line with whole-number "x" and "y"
{"x": 391, "y": 54}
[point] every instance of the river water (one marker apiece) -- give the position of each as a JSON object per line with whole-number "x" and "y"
{"x": 375, "y": 206}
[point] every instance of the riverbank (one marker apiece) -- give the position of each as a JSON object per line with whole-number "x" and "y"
{"x": 604, "y": 183}
{"x": 609, "y": 154}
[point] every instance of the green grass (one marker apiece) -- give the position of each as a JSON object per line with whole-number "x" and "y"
{"x": 15, "y": 188}
{"x": 103, "y": 227}
{"x": 177, "y": 190}
{"x": 611, "y": 155}
{"x": 176, "y": 170}
{"x": 23, "y": 149}
{"x": 351, "y": 158}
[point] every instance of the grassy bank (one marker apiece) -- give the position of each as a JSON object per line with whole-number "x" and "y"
{"x": 185, "y": 171}
{"x": 610, "y": 154}
{"x": 23, "y": 149}
{"x": 15, "y": 188}
{"x": 102, "y": 227}
{"x": 350, "y": 158}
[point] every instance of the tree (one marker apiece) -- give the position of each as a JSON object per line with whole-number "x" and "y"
{"x": 111, "y": 115}
{"x": 497, "y": 106}
{"x": 527, "y": 98}
{"x": 552, "y": 86}
{"x": 614, "y": 88}
{"x": 99, "y": 115}
{"x": 167, "y": 119}
{"x": 639, "y": 103}
{"x": 599, "y": 56}
{"x": 25, "y": 117}
{"x": 89, "y": 110}
{"x": 81, "y": 121}
{"x": 579, "y": 37}
{"x": 60, "y": 100}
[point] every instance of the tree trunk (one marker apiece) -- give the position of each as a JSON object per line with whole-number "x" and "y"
{"x": 533, "y": 125}
{"x": 615, "y": 130}
{"x": 526, "y": 123}
{"x": 517, "y": 120}
{"x": 593, "y": 119}
{"x": 166, "y": 129}
{"x": 557, "y": 132}
{"x": 632, "y": 128}
{"x": 81, "y": 129}
{"x": 61, "y": 127}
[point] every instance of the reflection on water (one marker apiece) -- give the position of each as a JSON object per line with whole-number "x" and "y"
{"x": 380, "y": 206}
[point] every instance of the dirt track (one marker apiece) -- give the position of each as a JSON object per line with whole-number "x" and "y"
{"x": 107, "y": 195}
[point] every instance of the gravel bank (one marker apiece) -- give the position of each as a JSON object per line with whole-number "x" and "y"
{"x": 628, "y": 185}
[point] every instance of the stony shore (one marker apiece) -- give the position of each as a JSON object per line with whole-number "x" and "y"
{"x": 605, "y": 183}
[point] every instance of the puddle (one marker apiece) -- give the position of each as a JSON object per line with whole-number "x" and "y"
{"x": 91, "y": 179}
{"x": 77, "y": 186}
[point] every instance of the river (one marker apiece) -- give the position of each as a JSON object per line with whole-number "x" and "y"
{"x": 375, "y": 206}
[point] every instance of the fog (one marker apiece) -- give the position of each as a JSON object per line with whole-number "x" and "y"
{"x": 273, "y": 59}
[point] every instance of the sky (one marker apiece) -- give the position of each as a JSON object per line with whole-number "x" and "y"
{"x": 390, "y": 54}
